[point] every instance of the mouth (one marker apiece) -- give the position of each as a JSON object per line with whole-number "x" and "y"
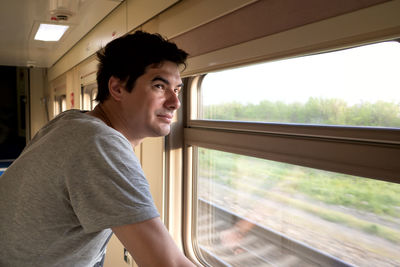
{"x": 166, "y": 117}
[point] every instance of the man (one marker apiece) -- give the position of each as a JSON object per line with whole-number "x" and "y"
{"x": 78, "y": 178}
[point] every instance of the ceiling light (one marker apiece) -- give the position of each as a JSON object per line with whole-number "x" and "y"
{"x": 50, "y": 32}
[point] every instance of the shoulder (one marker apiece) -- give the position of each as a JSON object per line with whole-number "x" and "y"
{"x": 80, "y": 120}
{"x": 94, "y": 132}
{"x": 84, "y": 126}
{"x": 75, "y": 130}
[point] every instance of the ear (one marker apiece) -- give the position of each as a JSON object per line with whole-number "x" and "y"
{"x": 116, "y": 88}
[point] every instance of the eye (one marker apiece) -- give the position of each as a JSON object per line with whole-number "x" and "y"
{"x": 177, "y": 91}
{"x": 159, "y": 86}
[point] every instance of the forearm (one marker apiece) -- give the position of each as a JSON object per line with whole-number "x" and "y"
{"x": 151, "y": 245}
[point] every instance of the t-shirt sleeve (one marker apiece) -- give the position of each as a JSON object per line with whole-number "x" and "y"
{"x": 106, "y": 185}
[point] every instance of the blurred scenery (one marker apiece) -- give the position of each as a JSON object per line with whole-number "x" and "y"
{"x": 353, "y": 219}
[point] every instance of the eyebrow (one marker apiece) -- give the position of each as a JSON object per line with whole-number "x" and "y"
{"x": 159, "y": 78}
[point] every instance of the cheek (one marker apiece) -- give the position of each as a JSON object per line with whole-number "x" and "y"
{"x": 155, "y": 103}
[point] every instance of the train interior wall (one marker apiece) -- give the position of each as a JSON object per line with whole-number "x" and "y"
{"x": 200, "y": 27}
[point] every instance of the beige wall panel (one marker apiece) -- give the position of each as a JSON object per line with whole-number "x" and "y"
{"x": 138, "y": 152}
{"x": 152, "y": 164}
{"x": 59, "y": 82}
{"x": 49, "y": 100}
{"x": 338, "y": 32}
{"x": 57, "y": 87}
{"x": 189, "y": 14}
{"x": 63, "y": 65}
{"x": 113, "y": 26}
{"x": 173, "y": 214}
{"x": 73, "y": 89}
{"x": 38, "y": 114}
{"x": 77, "y": 89}
{"x": 139, "y": 11}
{"x": 115, "y": 254}
{"x": 69, "y": 89}
{"x": 88, "y": 70}
{"x": 90, "y": 79}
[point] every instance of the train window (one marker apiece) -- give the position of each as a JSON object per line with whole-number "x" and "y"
{"x": 256, "y": 212}
{"x": 295, "y": 162}
{"x": 357, "y": 86}
{"x": 60, "y": 104}
{"x": 89, "y": 93}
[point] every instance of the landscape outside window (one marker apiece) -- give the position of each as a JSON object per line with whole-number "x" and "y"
{"x": 355, "y": 87}
{"x": 352, "y": 218}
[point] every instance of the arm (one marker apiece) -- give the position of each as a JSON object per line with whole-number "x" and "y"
{"x": 150, "y": 244}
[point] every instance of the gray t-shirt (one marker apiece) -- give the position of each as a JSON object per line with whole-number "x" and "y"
{"x": 74, "y": 181}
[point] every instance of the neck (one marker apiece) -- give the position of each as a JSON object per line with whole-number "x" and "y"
{"x": 99, "y": 112}
{"x": 104, "y": 113}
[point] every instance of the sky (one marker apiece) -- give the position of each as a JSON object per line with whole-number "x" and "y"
{"x": 363, "y": 74}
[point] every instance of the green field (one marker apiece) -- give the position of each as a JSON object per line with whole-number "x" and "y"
{"x": 301, "y": 187}
{"x": 314, "y": 111}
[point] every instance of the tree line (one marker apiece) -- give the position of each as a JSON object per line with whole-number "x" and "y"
{"x": 314, "y": 111}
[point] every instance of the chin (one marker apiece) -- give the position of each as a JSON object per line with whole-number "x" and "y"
{"x": 163, "y": 131}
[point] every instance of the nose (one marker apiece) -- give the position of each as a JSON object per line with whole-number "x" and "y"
{"x": 172, "y": 102}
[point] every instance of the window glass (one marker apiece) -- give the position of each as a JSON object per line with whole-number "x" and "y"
{"x": 256, "y": 212}
{"x": 86, "y": 101}
{"x": 89, "y": 94}
{"x": 60, "y": 104}
{"x": 357, "y": 86}
{"x": 93, "y": 95}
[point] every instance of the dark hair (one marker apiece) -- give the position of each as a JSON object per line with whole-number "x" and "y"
{"x": 128, "y": 56}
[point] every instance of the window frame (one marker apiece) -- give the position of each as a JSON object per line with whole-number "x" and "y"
{"x": 369, "y": 152}
{"x": 381, "y": 23}
{"x": 90, "y": 90}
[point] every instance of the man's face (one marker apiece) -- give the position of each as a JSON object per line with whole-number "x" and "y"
{"x": 149, "y": 108}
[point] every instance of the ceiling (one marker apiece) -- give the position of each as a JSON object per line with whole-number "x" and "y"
{"x": 19, "y": 18}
